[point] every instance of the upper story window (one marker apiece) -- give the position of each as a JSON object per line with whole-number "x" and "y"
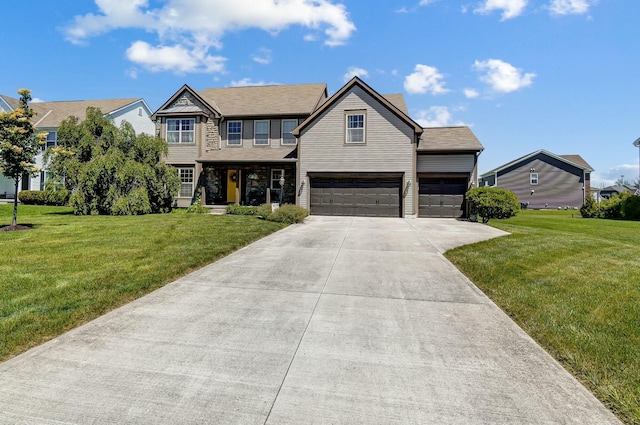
{"x": 181, "y": 130}
{"x": 234, "y": 132}
{"x": 287, "y": 127}
{"x": 355, "y": 128}
{"x": 533, "y": 178}
{"x": 52, "y": 140}
{"x": 261, "y": 132}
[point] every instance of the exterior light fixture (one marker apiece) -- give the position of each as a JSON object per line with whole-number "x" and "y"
{"x": 281, "y": 181}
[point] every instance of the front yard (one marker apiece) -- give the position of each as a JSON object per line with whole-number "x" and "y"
{"x": 573, "y": 284}
{"x": 68, "y": 270}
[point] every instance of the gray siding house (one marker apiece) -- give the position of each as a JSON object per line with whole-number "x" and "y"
{"x": 542, "y": 179}
{"x": 354, "y": 153}
{"x": 49, "y": 115}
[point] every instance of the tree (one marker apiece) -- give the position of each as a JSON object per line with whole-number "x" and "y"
{"x": 493, "y": 202}
{"x": 19, "y": 144}
{"x": 111, "y": 170}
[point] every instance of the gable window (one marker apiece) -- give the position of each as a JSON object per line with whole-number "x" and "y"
{"x": 52, "y": 140}
{"x": 261, "y": 132}
{"x": 287, "y": 127}
{"x": 186, "y": 181}
{"x": 533, "y": 178}
{"x": 234, "y": 132}
{"x": 355, "y": 128}
{"x": 181, "y": 130}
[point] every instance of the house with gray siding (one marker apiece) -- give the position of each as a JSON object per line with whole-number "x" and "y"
{"x": 355, "y": 153}
{"x": 49, "y": 116}
{"x": 542, "y": 179}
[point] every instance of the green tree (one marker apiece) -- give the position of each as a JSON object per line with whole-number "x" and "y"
{"x": 492, "y": 202}
{"x": 111, "y": 170}
{"x": 19, "y": 144}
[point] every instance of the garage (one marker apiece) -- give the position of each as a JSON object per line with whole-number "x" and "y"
{"x": 442, "y": 196}
{"x": 356, "y": 195}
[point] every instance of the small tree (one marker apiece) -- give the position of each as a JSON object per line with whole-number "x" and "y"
{"x": 590, "y": 208}
{"x": 493, "y": 202}
{"x": 111, "y": 170}
{"x": 19, "y": 144}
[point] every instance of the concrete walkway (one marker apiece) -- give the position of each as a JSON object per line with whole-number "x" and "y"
{"x": 335, "y": 321}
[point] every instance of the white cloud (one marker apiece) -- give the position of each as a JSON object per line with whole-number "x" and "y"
{"x": 263, "y": 56}
{"x": 247, "y": 82}
{"x": 175, "y": 58}
{"x": 426, "y": 2}
{"x": 425, "y": 79}
{"x": 503, "y": 77}
{"x": 354, "y": 71}
{"x": 471, "y": 93}
{"x": 609, "y": 177}
{"x": 36, "y": 100}
{"x": 436, "y": 116}
{"x": 196, "y": 26}
{"x": 510, "y": 8}
{"x": 569, "y": 7}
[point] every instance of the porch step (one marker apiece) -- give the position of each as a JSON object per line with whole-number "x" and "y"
{"x": 218, "y": 209}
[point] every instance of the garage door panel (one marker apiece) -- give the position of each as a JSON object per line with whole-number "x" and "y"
{"x": 442, "y": 196}
{"x": 356, "y": 196}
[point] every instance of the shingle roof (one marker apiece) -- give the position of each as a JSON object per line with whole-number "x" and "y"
{"x": 266, "y": 154}
{"x": 577, "y": 159}
{"x": 51, "y": 114}
{"x": 449, "y": 139}
{"x": 297, "y": 99}
{"x": 398, "y": 100}
{"x": 14, "y": 103}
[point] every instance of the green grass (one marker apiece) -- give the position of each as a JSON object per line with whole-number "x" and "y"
{"x": 67, "y": 269}
{"x": 573, "y": 284}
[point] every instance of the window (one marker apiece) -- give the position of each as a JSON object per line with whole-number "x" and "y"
{"x": 52, "y": 140}
{"x": 261, "y": 132}
{"x": 533, "y": 178}
{"x": 275, "y": 178}
{"x": 287, "y": 128}
{"x": 234, "y": 133}
{"x": 181, "y": 130}
{"x": 355, "y": 128}
{"x": 186, "y": 182}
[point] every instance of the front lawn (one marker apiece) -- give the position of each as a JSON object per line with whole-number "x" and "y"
{"x": 67, "y": 270}
{"x": 573, "y": 284}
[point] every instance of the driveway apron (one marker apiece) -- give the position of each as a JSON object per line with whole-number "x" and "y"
{"x": 339, "y": 320}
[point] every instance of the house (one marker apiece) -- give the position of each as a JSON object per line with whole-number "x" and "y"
{"x": 609, "y": 191}
{"x": 49, "y": 115}
{"x": 542, "y": 179}
{"x": 354, "y": 153}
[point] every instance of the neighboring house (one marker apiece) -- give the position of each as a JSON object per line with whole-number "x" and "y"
{"x": 355, "y": 153}
{"x": 49, "y": 115}
{"x": 544, "y": 180}
{"x": 609, "y": 191}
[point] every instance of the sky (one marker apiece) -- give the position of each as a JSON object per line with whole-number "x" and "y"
{"x": 524, "y": 75}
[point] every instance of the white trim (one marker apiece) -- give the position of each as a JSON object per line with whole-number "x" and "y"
{"x": 180, "y": 131}
{"x": 240, "y": 140}
{"x": 347, "y": 129}
{"x": 282, "y": 133}
{"x": 255, "y": 125}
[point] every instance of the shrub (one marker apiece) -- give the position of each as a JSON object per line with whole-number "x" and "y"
{"x": 242, "y": 210}
{"x": 631, "y": 208}
{"x": 492, "y": 202}
{"x": 196, "y": 207}
{"x": 612, "y": 207}
{"x": 289, "y": 214}
{"x": 56, "y": 194}
{"x": 590, "y": 208}
{"x": 31, "y": 197}
{"x": 135, "y": 203}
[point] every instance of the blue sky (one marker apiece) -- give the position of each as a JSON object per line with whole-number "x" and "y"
{"x": 560, "y": 75}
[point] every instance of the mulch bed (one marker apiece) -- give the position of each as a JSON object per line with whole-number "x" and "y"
{"x": 16, "y": 227}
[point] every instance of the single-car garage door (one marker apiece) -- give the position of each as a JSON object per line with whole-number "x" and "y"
{"x": 356, "y": 196}
{"x": 442, "y": 196}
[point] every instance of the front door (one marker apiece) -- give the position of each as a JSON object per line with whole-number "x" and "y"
{"x": 232, "y": 181}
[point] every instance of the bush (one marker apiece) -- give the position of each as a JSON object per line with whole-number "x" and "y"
{"x": 242, "y": 210}
{"x": 196, "y": 207}
{"x": 135, "y": 203}
{"x": 289, "y": 214}
{"x": 590, "y": 208}
{"x": 31, "y": 197}
{"x": 56, "y": 194}
{"x": 631, "y": 208}
{"x": 612, "y": 207}
{"x": 493, "y": 202}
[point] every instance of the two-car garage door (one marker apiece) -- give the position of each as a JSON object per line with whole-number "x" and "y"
{"x": 370, "y": 196}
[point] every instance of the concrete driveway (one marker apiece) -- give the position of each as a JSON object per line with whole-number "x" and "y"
{"x": 335, "y": 321}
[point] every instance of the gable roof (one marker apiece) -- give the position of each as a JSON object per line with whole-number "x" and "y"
{"x": 13, "y": 103}
{"x": 447, "y": 139}
{"x": 355, "y": 81}
{"x": 165, "y": 109}
{"x": 51, "y": 114}
{"x": 575, "y": 160}
{"x": 398, "y": 100}
{"x": 255, "y": 101}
